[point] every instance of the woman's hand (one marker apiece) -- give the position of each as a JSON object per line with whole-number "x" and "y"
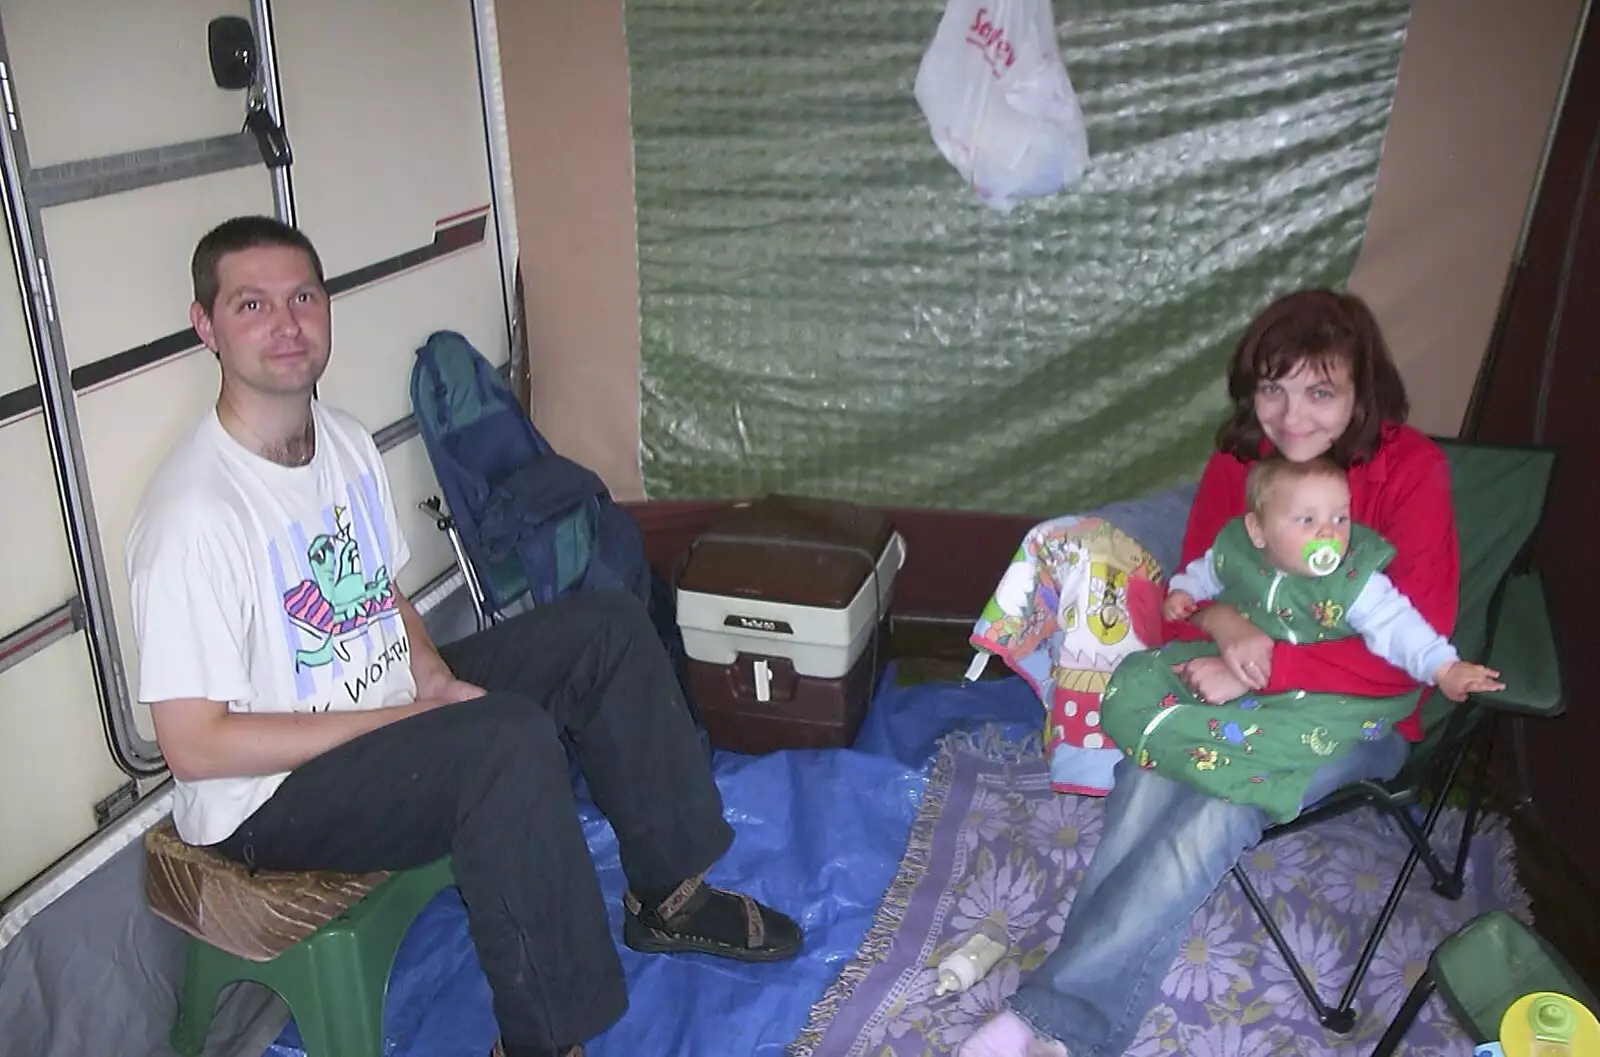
{"x": 1245, "y": 648}
{"x": 1211, "y": 680}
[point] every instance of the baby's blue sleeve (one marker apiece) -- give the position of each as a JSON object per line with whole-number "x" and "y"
{"x": 1198, "y": 579}
{"x": 1394, "y": 630}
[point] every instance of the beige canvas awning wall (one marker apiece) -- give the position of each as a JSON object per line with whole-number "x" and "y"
{"x": 1478, "y": 83}
{"x": 1478, "y": 89}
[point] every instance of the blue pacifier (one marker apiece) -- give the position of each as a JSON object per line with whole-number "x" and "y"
{"x": 1322, "y": 556}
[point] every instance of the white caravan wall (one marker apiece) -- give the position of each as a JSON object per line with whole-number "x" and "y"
{"x": 130, "y": 423}
{"x": 383, "y": 107}
{"x": 386, "y": 119}
{"x": 105, "y": 77}
{"x": 36, "y": 565}
{"x": 92, "y": 78}
{"x": 385, "y": 114}
{"x": 57, "y": 766}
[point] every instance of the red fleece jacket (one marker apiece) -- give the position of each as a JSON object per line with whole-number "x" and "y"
{"x": 1403, "y": 494}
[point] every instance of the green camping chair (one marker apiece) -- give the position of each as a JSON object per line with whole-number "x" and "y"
{"x": 1498, "y": 493}
{"x": 1480, "y": 971}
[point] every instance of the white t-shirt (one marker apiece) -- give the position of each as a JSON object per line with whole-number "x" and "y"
{"x": 267, "y": 588}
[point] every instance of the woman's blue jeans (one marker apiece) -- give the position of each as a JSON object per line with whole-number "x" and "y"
{"x": 1164, "y": 848}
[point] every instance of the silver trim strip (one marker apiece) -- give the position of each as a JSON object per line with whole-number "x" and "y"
{"x": 438, "y": 589}
{"x": 133, "y": 753}
{"x": 79, "y": 181}
{"x": 497, "y": 136}
{"x": 396, "y": 433}
{"x": 36, "y": 635}
{"x": 267, "y": 47}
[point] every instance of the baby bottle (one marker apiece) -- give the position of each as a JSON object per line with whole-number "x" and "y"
{"x": 968, "y": 963}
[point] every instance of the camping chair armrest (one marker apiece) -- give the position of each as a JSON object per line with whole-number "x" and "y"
{"x": 1523, "y": 650}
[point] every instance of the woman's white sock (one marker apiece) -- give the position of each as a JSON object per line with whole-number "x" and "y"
{"x": 1008, "y": 1035}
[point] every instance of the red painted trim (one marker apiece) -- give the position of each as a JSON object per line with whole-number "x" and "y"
{"x": 442, "y": 221}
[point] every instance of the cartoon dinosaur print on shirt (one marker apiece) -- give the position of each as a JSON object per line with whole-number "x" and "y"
{"x": 337, "y": 602}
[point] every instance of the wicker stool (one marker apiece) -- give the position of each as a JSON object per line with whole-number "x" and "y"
{"x": 325, "y": 942}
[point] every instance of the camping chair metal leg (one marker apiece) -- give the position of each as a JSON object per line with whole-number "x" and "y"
{"x": 1421, "y": 851}
{"x": 1375, "y": 937}
{"x": 1340, "y": 1019}
{"x": 1417, "y": 836}
{"x": 434, "y": 508}
{"x": 1446, "y": 884}
{"x": 1447, "y": 881}
{"x": 475, "y": 589}
{"x": 1455, "y": 884}
{"x": 1415, "y": 1000}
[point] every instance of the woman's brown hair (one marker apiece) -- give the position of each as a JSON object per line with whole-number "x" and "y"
{"x": 1322, "y": 328}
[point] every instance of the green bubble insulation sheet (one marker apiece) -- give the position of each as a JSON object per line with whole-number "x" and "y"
{"x": 827, "y": 309}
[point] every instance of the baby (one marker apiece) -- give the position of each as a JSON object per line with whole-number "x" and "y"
{"x": 1297, "y": 568}
{"x": 1299, "y": 520}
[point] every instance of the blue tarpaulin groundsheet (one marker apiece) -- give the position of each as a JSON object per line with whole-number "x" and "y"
{"x": 819, "y": 835}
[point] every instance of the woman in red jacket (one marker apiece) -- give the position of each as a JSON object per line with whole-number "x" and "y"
{"x": 1312, "y": 376}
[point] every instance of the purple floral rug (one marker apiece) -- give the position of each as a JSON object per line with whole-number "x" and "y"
{"x": 992, "y": 841}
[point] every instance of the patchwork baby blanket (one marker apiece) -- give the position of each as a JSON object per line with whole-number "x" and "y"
{"x": 1080, "y": 594}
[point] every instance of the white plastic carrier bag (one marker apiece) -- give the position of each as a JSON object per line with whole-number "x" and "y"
{"x": 999, "y": 103}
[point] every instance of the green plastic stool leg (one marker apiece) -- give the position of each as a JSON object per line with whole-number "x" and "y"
{"x": 327, "y": 985}
{"x": 335, "y": 980}
{"x": 206, "y": 972}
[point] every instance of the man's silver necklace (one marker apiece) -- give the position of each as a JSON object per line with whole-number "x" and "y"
{"x": 293, "y": 453}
